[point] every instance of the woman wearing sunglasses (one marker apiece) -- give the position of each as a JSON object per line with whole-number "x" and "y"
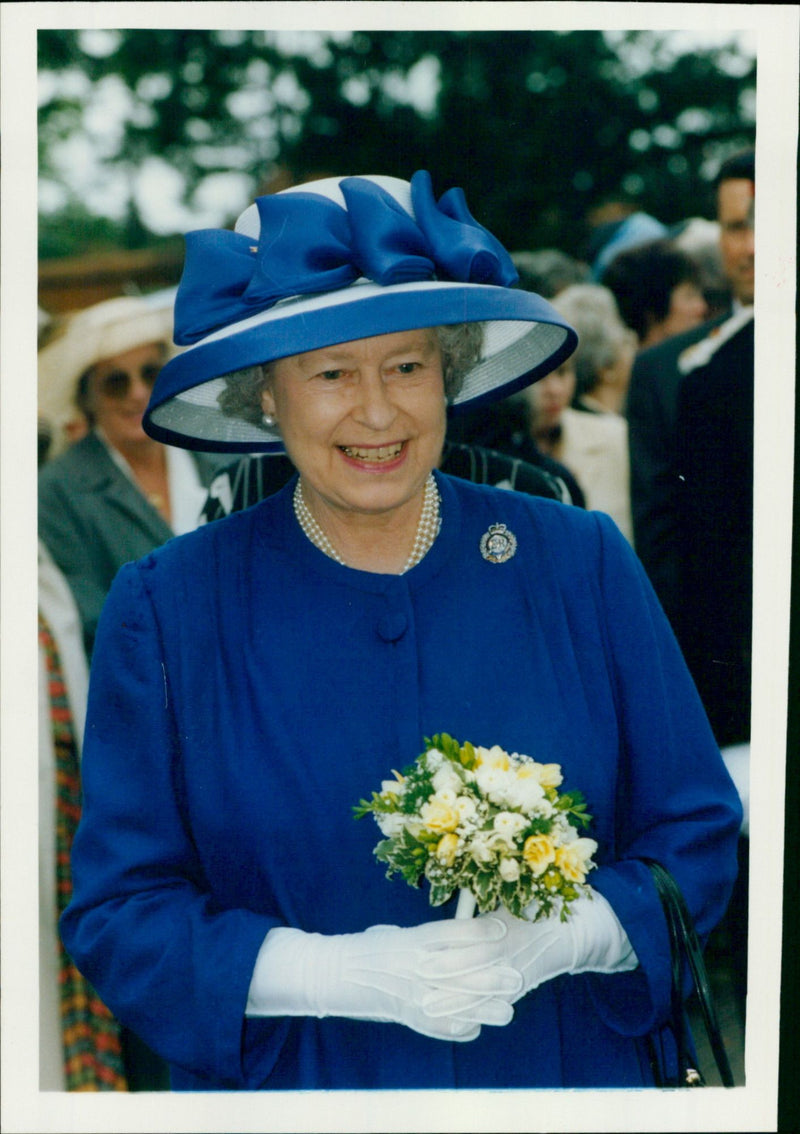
{"x": 115, "y": 494}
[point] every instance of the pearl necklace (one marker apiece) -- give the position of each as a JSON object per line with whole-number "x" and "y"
{"x": 427, "y": 528}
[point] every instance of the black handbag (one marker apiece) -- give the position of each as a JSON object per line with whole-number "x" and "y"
{"x": 685, "y": 946}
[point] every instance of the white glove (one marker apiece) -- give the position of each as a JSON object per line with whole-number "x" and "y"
{"x": 590, "y": 940}
{"x": 443, "y": 978}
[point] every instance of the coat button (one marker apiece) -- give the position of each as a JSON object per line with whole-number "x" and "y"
{"x": 392, "y": 626}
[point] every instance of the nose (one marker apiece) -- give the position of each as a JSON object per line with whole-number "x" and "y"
{"x": 375, "y": 407}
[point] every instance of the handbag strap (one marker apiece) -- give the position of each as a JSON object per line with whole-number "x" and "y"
{"x": 684, "y": 942}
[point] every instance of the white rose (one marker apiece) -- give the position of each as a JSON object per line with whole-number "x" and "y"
{"x": 447, "y": 779}
{"x": 493, "y": 782}
{"x": 525, "y": 792}
{"x": 390, "y": 825}
{"x": 509, "y": 869}
{"x": 480, "y": 850}
{"x": 465, "y": 808}
{"x": 508, "y": 824}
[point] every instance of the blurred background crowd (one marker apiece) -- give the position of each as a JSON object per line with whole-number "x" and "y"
{"x": 618, "y": 170}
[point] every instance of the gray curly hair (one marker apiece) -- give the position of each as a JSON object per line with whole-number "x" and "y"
{"x": 460, "y": 345}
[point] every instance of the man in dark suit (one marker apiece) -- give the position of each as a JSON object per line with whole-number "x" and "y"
{"x": 690, "y": 420}
{"x": 656, "y": 488}
{"x": 714, "y": 451}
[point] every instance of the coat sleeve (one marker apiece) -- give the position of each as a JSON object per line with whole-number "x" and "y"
{"x": 676, "y": 802}
{"x": 142, "y": 924}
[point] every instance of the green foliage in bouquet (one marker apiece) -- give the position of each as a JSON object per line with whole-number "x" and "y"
{"x": 485, "y": 820}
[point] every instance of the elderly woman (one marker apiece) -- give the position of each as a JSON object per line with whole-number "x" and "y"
{"x": 574, "y": 413}
{"x": 606, "y": 348}
{"x": 256, "y": 678}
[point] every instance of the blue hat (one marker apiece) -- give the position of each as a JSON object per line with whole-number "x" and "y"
{"x": 334, "y": 261}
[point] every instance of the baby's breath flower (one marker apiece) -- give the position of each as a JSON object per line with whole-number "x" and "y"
{"x": 434, "y": 759}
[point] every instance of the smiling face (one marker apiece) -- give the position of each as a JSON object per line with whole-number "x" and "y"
{"x": 363, "y": 421}
{"x": 118, "y": 392}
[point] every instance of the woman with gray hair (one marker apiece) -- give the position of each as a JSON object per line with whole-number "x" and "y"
{"x": 255, "y": 678}
{"x": 606, "y": 347}
{"x": 575, "y": 412}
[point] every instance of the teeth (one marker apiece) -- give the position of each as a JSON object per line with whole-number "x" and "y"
{"x": 382, "y": 453}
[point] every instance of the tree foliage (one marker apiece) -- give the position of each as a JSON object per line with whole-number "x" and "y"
{"x": 537, "y": 127}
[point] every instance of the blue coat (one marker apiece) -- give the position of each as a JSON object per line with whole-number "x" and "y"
{"x": 247, "y": 691}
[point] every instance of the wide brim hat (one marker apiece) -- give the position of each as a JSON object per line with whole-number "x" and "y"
{"x": 87, "y": 337}
{"x": 334, "y": 261}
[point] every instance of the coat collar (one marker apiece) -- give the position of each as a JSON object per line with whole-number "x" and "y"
{"x": 95, "y": 472}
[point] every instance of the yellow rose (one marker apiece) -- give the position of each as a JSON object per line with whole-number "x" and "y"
{"x": 573, "y": 859}
{"x": 446, "y": 849}
{"x": 439, "y": 815}
{"x": 538, "y": 853}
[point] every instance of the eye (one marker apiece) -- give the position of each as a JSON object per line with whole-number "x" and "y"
{"x": 150, "y": 373}
{"x": 115, "y": 384}
{"x": 330, "y": 375}
{"x": 407, "y": 367}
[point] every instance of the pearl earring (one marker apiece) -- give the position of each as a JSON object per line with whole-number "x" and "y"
{"x": 268, "y": 420}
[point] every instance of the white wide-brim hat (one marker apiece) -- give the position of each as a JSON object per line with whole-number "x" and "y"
{"x": 334, "y": 261}
{"x": 87, "y": 337}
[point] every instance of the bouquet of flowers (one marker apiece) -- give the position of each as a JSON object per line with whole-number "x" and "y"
{"x": 486, "y": 822}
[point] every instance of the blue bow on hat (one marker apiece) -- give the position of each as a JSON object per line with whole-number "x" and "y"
{"x": 309, "y": 244}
